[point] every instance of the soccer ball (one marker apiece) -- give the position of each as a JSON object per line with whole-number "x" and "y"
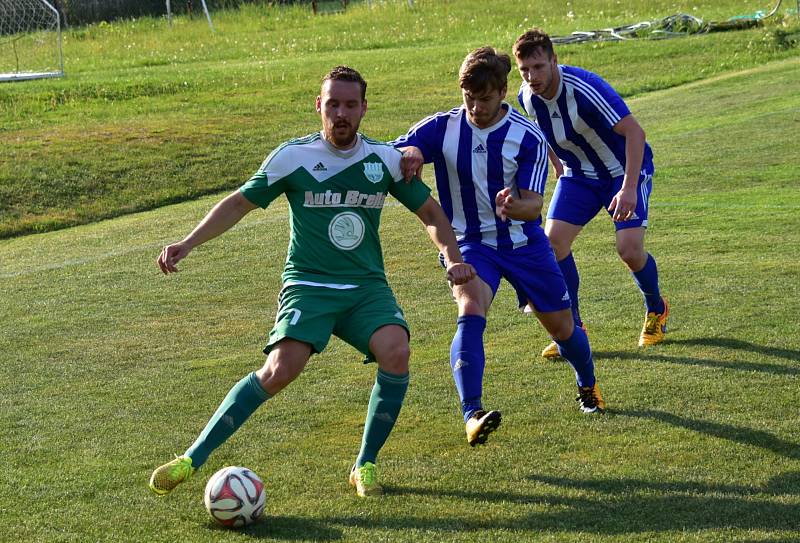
{"x": 234, "y": 496}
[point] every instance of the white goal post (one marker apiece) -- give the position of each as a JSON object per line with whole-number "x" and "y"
{"x": 30, "y": 40}
{"x": 205, "y": 10}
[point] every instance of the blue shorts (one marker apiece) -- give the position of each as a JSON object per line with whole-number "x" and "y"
{"x": 532, "y": 271}
{"x": 577, "y": 200}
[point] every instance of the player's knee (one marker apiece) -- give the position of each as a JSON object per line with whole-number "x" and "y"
{"x": 632, "y": 255}
{"x": 562, "y": 329}
{"x": 470, "y": 306}
{"x": 274, "y": 376}
{"x": 394, "y": 358}
{"x": 561, "y": 247}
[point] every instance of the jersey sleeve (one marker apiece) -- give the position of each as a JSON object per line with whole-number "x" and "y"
{"x": 605, "y": 104}
{"x": 268, "y": 182}
{"x": 412, "y": 195}
{"x": 532, "y": 164}
{"x": 422, "y": 135}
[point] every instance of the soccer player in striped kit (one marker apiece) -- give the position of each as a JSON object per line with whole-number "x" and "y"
{"x": 491, "y": 166}
{"x": 602, "y": 158}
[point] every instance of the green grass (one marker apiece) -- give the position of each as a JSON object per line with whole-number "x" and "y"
{"x": 107, "y": 368}
{"x": 149, "y": 115}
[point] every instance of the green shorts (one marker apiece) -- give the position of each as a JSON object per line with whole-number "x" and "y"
{"x": 311, "y": 314}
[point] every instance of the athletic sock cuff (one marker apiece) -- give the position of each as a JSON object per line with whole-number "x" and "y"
{"x": 255, "y": 386}
{"x": 472, "y": 320}
{"x": 392, "y": 378}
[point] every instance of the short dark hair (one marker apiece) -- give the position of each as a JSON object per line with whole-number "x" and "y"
{"x": 484, "y": 69}
{"x": 527, "y": 44}
{"x": 344, "y": 73}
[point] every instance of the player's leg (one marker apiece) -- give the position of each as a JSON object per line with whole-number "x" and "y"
{"x": 374, "y": 324}
{"x": 573, "y": 346}
{"x": 468, "y": 358}
{"x": 467, "y": 354}
{"x": 284, "y": 363}
{"x": 389, "y": 346}
{"x": 537, "y": 280}
{"x": 561, "y": 235}
{"x": 304, "y": 323}
{"x": 643, "y": 267}
{"x": 575, "y": 202}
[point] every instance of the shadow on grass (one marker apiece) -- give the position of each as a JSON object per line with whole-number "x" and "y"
{"x": 738, "y": 434}
{"x": 613, "y": 507}
{"x": 739, "y": 345}
{"x": 606, "y": 506}
{"x": 287, "y": 529}
{"x": 727, "y": 343}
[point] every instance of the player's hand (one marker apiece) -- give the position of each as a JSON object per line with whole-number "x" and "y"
{"x": 504, "y": 200}
{"x": 623, "y": 205}
{"x": 171, "y": 255}
{"x": 412, "y": 162}
{"x": 460, "y": 273}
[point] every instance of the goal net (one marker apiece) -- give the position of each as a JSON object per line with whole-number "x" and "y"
{"x": 30, "y": 40}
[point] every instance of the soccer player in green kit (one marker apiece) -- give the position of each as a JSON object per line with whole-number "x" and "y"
{"x": 334, "y": 282}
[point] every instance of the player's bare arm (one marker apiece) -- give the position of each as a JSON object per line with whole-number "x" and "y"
{"x": 526, "y": 207}
{"x": 438, "y": 226}
{"x": 558, "y": 167}
{"x": 412, "y": 162}
{"x": 624, "y": 202}
{"x": 221, "y": 218}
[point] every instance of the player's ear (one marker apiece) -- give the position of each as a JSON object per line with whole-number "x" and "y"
{"x": 364, "y": 107}
{"x": 503, "y": 92}
{"x": 319, "y": 104}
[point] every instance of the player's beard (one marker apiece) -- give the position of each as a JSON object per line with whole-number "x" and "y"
{"x": 542, "y": 87}
{"x": 341, "y": 134}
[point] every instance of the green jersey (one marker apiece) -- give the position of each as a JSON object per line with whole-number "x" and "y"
{"x": 336, "y": 198}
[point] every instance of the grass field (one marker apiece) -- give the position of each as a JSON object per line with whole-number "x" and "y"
{"x": 171, "y": 114}
{"x": 107, "y": 368}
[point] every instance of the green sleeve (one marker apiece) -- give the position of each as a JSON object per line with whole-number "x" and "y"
{"x": 260, "y": 191}
{"x": 412, "y": 195}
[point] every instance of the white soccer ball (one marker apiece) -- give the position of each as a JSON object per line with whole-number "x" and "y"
{"x": 235, "y": 497}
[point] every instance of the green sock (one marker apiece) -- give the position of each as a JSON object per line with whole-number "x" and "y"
{"x": 241, "y": 402}
{"x": 384, "y": 407}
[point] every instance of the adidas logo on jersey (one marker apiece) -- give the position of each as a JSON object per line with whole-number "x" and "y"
{"x": 479, "y": 149}
{"x": 320, "y": 167}
{"x": 565, "y": 297}
{"x": 555, "y": 115}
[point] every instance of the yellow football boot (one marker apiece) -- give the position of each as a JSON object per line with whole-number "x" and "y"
{"x": 365, "y": 479}
{"x": 551, "y": 351}
{"x": 480, "y": 425}
{"x": 590, "y": 400}
{"x": 170, "y": 475}
{"x": 655, "y": 327}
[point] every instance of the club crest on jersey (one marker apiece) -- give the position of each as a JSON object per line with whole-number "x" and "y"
{"x": 373, "y": 171}
{"x": 346, "y": 230}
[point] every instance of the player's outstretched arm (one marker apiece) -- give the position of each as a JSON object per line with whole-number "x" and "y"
{"x": 222, "y": 217}
{"x": 526, "y": 207}
{"x": 441, "y": 233}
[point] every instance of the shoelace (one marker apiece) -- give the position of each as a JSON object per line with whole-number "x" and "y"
{"x": 651, "y": 323}
{"x": 587, "y": 397}
{"x": 367, "y": 475}
{"x": 180, "y": 468}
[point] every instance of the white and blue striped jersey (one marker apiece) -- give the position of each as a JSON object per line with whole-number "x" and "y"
{"x": 578, "y": 123}
{"x": 472, "y": 165}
